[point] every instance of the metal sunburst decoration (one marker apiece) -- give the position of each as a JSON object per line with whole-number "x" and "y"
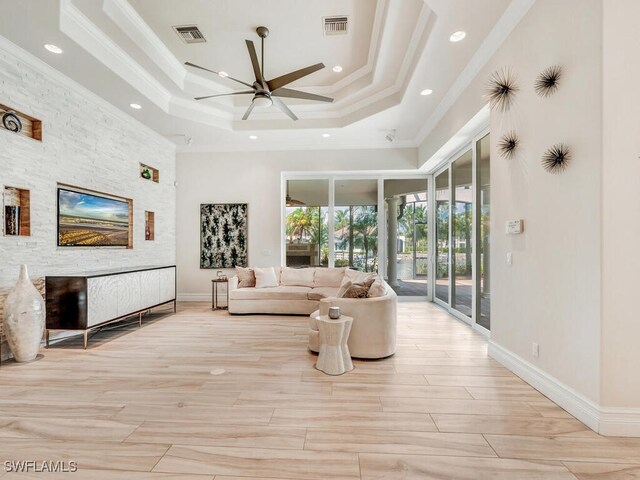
{"x": 501, "y": 89}
{"x": 508, "y": 144}
{"x": 548, "y": 81}
{"x": 556, "y": 159}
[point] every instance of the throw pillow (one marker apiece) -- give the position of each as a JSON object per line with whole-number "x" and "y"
{"x": 265, "y": 277}
{"x": 359, "y": 277}
{"x": 301, "y": 277}
{"x": 344, "y": 286}
{"x": 358, "y": 290}
{"x": 246, "y": 277}
{"x": 328, "y": 277}
{"x": 378, "y": 288}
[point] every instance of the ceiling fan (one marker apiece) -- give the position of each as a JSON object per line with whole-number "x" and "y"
{"x": 268, "y": 92}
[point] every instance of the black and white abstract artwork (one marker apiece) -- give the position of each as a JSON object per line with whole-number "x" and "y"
{"x": 223, "y": 235}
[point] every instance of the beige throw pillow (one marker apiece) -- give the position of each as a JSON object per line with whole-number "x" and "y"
{"x": 378, "y": 288}
{"x": 359, "y": 277}
{"x": 344, "y": 286}
{"x": 246, "y": 277}
{"x": 265, "y": 277}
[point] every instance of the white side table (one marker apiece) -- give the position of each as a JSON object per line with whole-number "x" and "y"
{"x": 334, "y": 357}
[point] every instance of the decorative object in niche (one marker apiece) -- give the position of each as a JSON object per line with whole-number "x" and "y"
{"x": 20, "y": 123}
{"x": 508, "y": 144}
{"x": 501, "y": 89}
{"x": 548, "y": 81}
{"x": 17, "y": 216}
{"x": 12, "y": 220}
{"x": 223, "y": 235}
{"x": 24, "y": 318}
{"x": 556, "y": 159}
{"x": 149, "y": 173}
{"x": 11, "y": 122}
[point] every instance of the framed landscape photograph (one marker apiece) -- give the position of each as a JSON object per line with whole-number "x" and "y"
{"x": 223, "y": 235}
{"x": 92, "y": 220}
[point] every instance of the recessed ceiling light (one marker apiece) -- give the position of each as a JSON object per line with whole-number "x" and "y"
{"x": 337, "y": 69}
{"x": 135, "y": 106}
{"x": 326, "y": 135}
{"x": 426, "y": 91}
{"x": 223, "y": 74}
{"x": 457, "y": 36}
{"x": 253, "y": 137}
{"x": 53, "y": 48}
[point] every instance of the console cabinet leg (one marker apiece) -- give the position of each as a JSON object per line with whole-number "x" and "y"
{"x": 86, "y": 337}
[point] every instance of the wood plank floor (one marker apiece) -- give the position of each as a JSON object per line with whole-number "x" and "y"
{"x": 201, "y": 395}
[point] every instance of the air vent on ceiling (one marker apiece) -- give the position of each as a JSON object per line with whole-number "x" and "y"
{"x": 336, "y": 25}
{"x": 190, "y": 33}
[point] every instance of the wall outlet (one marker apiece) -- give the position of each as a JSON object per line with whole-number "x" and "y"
{"x": 266, "y": 252}
{"x": 509, "y": 258}
{"x": 535, "y": 350}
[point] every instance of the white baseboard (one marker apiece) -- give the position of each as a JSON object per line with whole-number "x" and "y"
{"x": 604, "y": 420}
{"x": 194, "y": 297}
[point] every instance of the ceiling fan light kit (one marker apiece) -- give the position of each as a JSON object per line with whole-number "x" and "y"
{"x": 267, "y": 92}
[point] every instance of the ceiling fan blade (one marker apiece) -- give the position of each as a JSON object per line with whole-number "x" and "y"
{"x": 280, "y": 104}
{"x": 278, "y": 82}
{"x": 226, "y": 94}
{"x": 254, "y": 61}
{"x": 248, "y": 112}
{"x": 218, "y": 73}
{"x": 287, "y": 92}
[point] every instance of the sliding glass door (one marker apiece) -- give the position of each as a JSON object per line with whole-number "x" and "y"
{"x": 461, "y": 231}
{"x": 442, "y": 237}
{"x": 462, "y": 237}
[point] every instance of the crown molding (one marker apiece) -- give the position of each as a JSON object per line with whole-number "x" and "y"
{"x": 47, "y": 70}
{"x": 367, "y": 101}
{"x": 80, "y": 29}
{"x": 516, "y": 10}
{"x": 298, "y": 146}
{"x": 127, "y": 18}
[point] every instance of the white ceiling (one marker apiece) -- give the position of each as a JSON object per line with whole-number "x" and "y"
{"x": 126, "y": 51}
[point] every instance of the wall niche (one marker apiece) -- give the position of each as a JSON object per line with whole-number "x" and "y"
{"x": 16, "y": 212}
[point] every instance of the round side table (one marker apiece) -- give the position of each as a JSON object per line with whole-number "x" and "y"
{"x": 334, "y": 357}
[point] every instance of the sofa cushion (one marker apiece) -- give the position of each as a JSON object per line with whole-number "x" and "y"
{"x": 265, "y": 277}
{"x": 301, "y": 277}
{"x": 377, "y": 288}
{"x": 328, "y": 277}
{"x": 358, "y": 277}
{"x": 318, "y": 293}
{"x": 344, "y": 286}
{"x": 270, "y": 293}
{"x": 246, "y": 277}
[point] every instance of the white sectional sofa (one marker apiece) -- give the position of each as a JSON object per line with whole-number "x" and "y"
{"x": 298, "y": 293}
{"x": 312, "y": 291}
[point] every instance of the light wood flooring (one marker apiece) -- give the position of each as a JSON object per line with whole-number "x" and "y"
{"x": 201, "y": 395}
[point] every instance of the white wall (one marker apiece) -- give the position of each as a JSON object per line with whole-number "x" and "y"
{"x": 254, "y": 178}
{"x": 551, "y": 294}
{"x": 621, "y": 208}
{"x": 89, "y": 144}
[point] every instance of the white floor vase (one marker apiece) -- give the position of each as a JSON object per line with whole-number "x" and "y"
{"x": 24, "y": 315}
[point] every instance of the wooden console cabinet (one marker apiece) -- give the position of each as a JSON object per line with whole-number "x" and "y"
{"x": 83, "y": 302}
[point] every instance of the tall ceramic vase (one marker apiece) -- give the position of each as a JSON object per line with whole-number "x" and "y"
{"x": 24, "y": 318}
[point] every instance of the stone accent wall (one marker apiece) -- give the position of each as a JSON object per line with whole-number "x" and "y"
{"x": 87, "y": 143}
